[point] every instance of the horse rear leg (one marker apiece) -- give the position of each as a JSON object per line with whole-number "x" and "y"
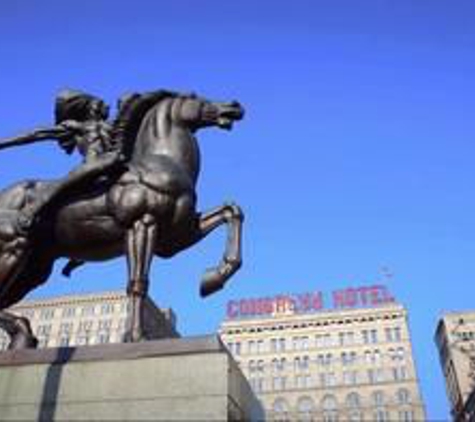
{"x": 141, "y": 238}
{"x": 18, "y": 328}
{"x": 19, "y": 331}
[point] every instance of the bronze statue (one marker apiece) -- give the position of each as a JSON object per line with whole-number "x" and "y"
{"x": 134, "y": 194}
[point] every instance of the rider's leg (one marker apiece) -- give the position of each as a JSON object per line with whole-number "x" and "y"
{"x": 70, "y": 266}
{"x": 80, "y": 176}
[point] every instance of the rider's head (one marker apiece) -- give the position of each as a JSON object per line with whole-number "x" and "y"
{"x": 98, "y": 109}
{"x": 79, "y": 106}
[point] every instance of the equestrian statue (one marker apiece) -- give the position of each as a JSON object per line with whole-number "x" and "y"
{"x": 133, "y": 195}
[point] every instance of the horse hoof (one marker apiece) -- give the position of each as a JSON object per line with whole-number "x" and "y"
{"x": 133, "y": 337}
{"x": 212, "y": 282}
{"x": 21, "y": 342}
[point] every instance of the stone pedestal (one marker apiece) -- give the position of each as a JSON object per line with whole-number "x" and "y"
{"x": 173, "y": 379}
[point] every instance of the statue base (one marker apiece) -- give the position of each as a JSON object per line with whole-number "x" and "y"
{"x": 172, "y": 379}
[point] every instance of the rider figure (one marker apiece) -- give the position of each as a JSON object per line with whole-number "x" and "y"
{"x": 81, "y": 122}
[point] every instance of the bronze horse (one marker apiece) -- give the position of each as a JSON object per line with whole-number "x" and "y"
{"x": 148, "y": 209}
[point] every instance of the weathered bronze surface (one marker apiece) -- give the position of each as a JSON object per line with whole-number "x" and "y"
{"x": 134, "y": 194}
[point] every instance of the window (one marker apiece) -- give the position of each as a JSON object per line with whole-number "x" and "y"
{"x": 348, "y": 358}
{"x": 44, "y": 330}
{"x": 302, "y": 381}
{"x": 375, "y": 375}
{"x": 104, "y": 337}
{"x": 400, "y": 353}
{"x": 397, "y": 334}
{"x": 251, "y": 366}
{"x": 346, "y": 338}
{"x": 278, "y": 364}
{"x": 329, "y": 406}
{"x": 64, "y": 341}
{"x": 301, "y": 363}
{"x": 406, "y": 415}
{"x": 82, "y": 339}
{"x": 381, "y": 415}
{"x": 87, "y": 310}
{"x": 278, "y": 383}
{"x": 323, "y": 340}
{"x": 85, "y": 326}
{"x": 282, "y": 344}
{"x": 373, "y": 356}
{"x": 393, "y": 334}
{"x": 257, "y": 384}
{"x": 296, "y": 343}
{"x": 389, "y": 334}
{"x": 105, "y": 324}
{"x": 237, "y": 348}
{"x": 328, "y": 379}
{"x": 43, "y": 341}
{"x": 353, "y": 400}
{"x": 47, "y": 313}
{"x": 280, "y": 406}
{"x": 403, "y": 396}
{"x": 125, "y": 307}
{"x": 251, "y": 346}
{"x": 305, "y": 408}
{"x": 66, "y": 327}
{"x": 260, "y": 346}
{"x": 350, "y": 377}
{"x": 378, "y": 398}
{"x": 399, "y": 373}
{"x": 69, "y": 312}
{"x": 107, "y": 308}
{"x": 324, "y": 359}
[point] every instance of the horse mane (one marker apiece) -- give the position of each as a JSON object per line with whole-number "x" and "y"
{"x": 132, "y": 110}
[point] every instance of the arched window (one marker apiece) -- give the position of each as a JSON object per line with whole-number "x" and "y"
{"x": 305, "y": 408}
{"x": 353, "y": 400}
{"x": 280, "y": 409}
{"x": 403, "y": 396}
{"x": 330, "y": 406}
{"x": 380, "y": 413}
{"x": 378, "y": 398}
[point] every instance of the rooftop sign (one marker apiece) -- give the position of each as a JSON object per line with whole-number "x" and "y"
{"x": 348, "y": 298}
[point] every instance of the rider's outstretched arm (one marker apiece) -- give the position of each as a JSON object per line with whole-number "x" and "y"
{"x": 58, "y": 132}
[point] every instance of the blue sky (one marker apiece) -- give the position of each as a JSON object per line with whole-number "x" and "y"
{"x": 356, "y": 151}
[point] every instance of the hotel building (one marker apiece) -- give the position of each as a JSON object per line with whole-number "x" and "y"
{"x": 455, "y": 340}
{"x": 353, "y": 362}
{"x": 88, "y": 319}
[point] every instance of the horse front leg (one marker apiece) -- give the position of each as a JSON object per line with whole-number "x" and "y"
{"x": 141, "y": 238}
{"x": 230, "y": 214}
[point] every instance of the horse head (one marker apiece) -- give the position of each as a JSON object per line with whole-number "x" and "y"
{"x": 194, "y": 112}
{"x": 169, "y": 125}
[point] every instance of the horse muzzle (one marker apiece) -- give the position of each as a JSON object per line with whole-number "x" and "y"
{"x": 228, "y": 114}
